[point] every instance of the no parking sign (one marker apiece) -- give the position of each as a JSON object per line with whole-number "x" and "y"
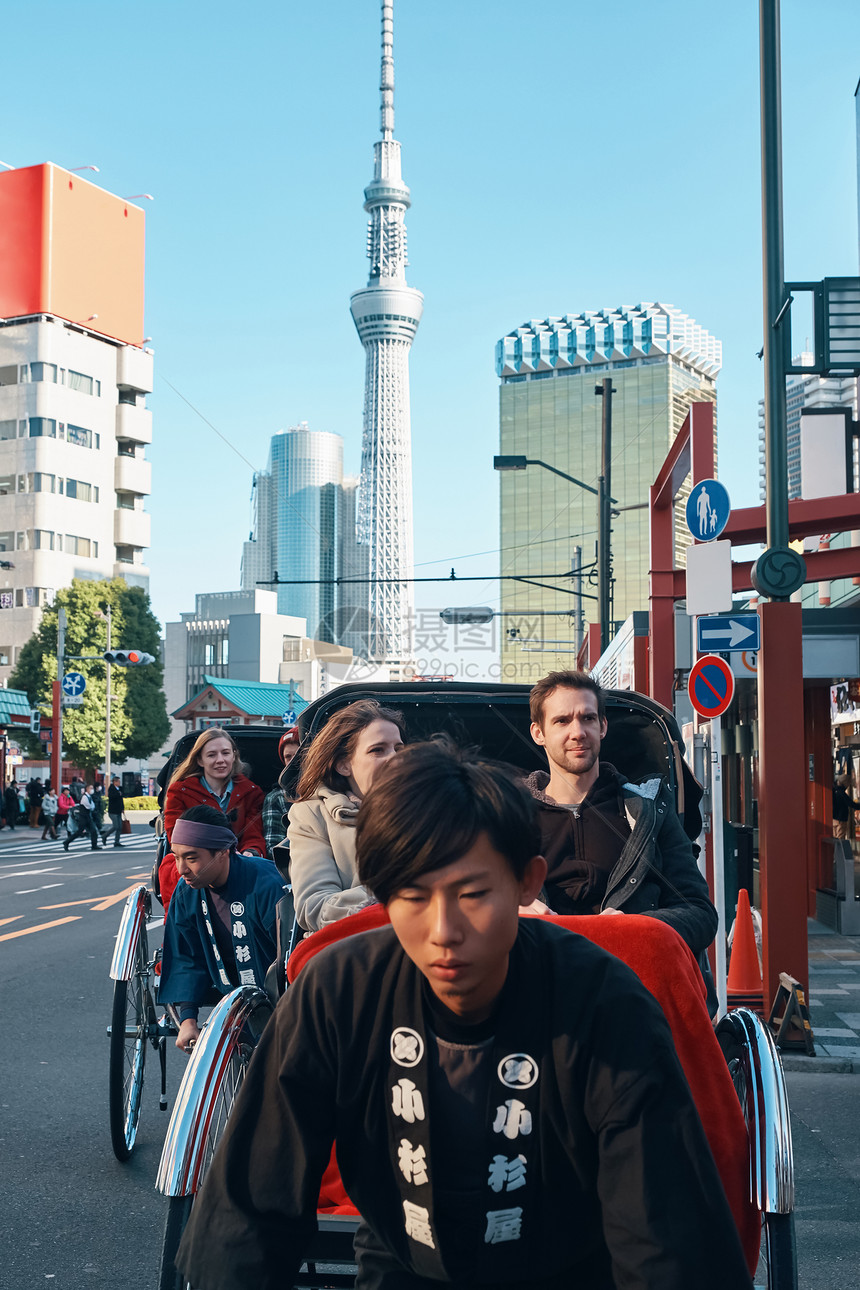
{"x": 711, "y": 686}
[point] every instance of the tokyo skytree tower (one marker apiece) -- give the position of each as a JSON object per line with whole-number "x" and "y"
{"x": 386, "y": 314}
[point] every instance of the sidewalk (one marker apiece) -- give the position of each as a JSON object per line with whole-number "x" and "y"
{"x": 834, "y": 1002}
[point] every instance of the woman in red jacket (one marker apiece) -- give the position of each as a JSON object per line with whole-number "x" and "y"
{"x": 212, "y": 774}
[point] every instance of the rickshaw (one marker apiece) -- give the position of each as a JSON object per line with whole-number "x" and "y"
{"x": 642, "y": 738}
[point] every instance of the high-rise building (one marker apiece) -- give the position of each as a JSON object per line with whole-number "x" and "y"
{"x": 74, "y": 376}
{"x": 659, "y": 361}
{"x": 803, "y": 393}
{"x": 303, "y": 515}
{"x": 386, "y": 314}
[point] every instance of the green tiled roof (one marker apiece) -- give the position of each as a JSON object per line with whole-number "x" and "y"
{"x": 15, "y": 701}
{"x": 256, "y": 698}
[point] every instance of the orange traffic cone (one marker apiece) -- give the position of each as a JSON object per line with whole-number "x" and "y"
{"x": 744, "y": 984}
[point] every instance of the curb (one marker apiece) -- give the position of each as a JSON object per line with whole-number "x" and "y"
{"x": 819, "y": 1065}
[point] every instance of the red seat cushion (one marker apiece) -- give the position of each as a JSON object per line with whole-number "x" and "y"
{"x": 666, "y": 967}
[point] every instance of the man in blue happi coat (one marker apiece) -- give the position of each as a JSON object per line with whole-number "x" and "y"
{"x": 220, "y": 929}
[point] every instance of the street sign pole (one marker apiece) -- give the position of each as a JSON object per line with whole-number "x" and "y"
{"x": 718, "y": 851}
{"x": 57, "y": 742}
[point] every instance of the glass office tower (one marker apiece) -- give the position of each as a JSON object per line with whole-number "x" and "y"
{"x": 660, "y": 361}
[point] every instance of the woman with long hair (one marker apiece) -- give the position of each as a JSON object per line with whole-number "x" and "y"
{"x": 213, "y": 775}
{"x": 337, "y": 771}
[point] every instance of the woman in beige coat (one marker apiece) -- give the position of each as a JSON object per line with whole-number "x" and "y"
{"x": 337, "y": 772}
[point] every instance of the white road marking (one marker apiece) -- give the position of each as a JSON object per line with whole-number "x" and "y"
{"x": 107, "y": 874}
{"x": 34, "y": 873}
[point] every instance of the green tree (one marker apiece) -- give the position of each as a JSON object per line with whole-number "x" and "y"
{"x": 139, "y": 722}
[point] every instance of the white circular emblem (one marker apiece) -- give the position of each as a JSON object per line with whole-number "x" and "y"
{"x": 518, "y": 1070}
{"x": 407, "y": 1046}
{"x": 237, "y": 908}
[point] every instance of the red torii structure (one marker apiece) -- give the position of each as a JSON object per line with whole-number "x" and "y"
{"x": 783, "y": 866}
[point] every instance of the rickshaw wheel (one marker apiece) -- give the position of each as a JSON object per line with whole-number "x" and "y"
{"x": 133, "y": 1014}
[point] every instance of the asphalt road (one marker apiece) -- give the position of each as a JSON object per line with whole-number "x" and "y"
{"x": 73, "y": 1216}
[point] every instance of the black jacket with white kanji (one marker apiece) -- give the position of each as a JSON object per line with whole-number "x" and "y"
{"x": 617, "y": 1184}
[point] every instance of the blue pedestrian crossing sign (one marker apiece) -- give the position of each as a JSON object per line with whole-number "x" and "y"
{"x": 290, "y": 718}
{"x": 74, "y": 684}
{"x": 708, "y": 509}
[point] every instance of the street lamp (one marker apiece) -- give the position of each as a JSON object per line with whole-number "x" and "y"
{"x": 604, "y": 539}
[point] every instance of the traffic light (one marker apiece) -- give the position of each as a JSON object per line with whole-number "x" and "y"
{"x": 127, "y": 657}
{"x": 35, "y": 721}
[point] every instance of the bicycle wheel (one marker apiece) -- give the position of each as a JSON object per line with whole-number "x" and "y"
{"x": 178, "y": 1211}
{"x": 780, "y": 1251}
{"x": 133, "y": 1013}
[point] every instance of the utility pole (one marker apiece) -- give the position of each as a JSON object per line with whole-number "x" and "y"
{"x": 604, "y": 513}
{"x": 108, "y": 698}
{"x": 57, "y": 749}
{"x": 578, "y": 625}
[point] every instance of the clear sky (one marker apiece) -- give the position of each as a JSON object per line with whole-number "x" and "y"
{"x": 560, "y": 157}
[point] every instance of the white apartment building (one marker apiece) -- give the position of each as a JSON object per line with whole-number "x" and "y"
{"x": 73, "y": 471}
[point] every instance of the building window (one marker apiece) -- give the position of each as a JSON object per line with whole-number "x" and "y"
{"x": 9, "y": 375}
{"x": 19, "y": 597}
{"x": 43, "y": 428}
{"x": 223, "y": 651}
{"x": 38, "y": 597}
{"x": 7, "y": 600}
{"x": 129, "y": 397}
{"x": 7, "y": 541}
{"x": 125, "y": 501}
{"x": 85, "y": 384}
{"x": 81, "y": 546}
{"x": 125, "y": 448}
{"x": 41, "y": 540}
{"x": 21, "y": 541}
{"x": 43, "y": 372}
{"x": 8, "y": 429}
{"x": 5, "y": 653}
{"x": 80, "y": 491}
{"x": 81, "y": 437}
{"x": 7, "y": 484}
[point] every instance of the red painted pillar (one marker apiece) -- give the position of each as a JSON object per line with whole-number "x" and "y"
{"x": 662, "y": 603}
{"x": 782, "y": 795}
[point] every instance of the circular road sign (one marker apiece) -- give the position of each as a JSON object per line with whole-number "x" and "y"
{"x": 708, "y": 509}
{"x": 290, "y": 718}
{"x": 74, "y": 683}
{"x": 711, "y": 686}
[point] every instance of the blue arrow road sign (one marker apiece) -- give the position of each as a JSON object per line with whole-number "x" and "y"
{"x": 708, "y": 509}
{"x": 74, "y": 683}
{"x": 290, "y": 718}
{"x": 722, "y": 633}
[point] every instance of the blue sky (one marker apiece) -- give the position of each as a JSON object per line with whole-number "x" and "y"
{"x": 560, "y": 158}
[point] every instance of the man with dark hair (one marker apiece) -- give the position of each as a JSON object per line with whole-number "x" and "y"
{"x": 611, "y": 846}
{"x": 508, "y": 1105}
{"x": 221, "y": 925}
{"x": 116, "y": 808}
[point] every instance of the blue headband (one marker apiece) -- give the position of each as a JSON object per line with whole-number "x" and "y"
{"x": 211, "y": 837}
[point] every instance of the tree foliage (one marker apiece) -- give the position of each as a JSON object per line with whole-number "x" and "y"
{"x": 139, "y": 722}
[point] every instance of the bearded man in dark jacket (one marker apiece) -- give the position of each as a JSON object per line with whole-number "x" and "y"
{"x": 611, "y": 846}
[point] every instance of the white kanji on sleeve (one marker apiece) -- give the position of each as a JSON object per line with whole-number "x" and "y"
{"x": 512, "y": 1119}
{"x": 503, "y": 1225}
{"x": 418, "y": 1223}
{"x": 412, "y": 1161}
{"x": 507, "y": 1173}
{"x": 246, "y": 977}
{"x": 407, "y": 1101}
{"x": 243, "y": 954}
{"x": 240, "y": 931}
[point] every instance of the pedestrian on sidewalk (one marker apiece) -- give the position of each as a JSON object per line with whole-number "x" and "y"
{"x": 50, "y": 805}
{"x": 13, "y": 810}
{"x": 35, "y": 793}
{"x": 843, "y": 807}
{"x": 65, "y": 805}
{"x": 86, "y": 824}
{"x": 116, "y": 807}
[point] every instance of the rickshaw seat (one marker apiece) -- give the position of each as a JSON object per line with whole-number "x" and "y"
{"x": 666, "y": 967}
